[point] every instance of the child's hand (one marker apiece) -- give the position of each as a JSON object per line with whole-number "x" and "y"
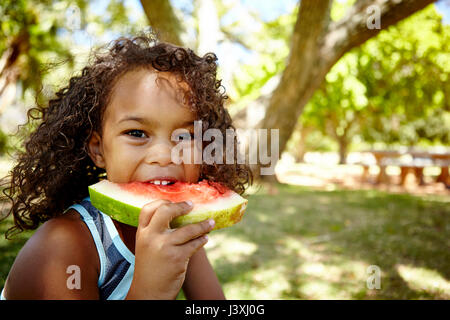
{"x": 162, "y": 254}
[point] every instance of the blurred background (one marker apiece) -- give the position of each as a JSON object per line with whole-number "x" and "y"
{"x": 360, "y": 93}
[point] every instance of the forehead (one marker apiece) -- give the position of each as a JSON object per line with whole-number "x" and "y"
{"x": 149, "y": 93}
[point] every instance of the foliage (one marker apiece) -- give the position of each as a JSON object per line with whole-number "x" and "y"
{"x": 271, "y": 43}
{"x": 393, "y": 89}
{"x": 39, "y": 27}
{"x": 4, "y": 145}
{"x": 53, "y": 29}
{"x": 406, "y": 76}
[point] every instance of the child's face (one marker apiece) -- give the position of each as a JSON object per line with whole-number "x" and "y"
{"x": 133, "y": 150}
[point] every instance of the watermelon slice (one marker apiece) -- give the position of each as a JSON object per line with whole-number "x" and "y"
{"x": 123, "y": 201}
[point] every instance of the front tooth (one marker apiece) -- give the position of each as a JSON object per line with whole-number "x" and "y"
{"x": 156, "y": 182}
{"x": 164, "y": 183}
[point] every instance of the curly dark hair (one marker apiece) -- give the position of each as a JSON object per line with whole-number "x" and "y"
{"x": 54, "y": 171}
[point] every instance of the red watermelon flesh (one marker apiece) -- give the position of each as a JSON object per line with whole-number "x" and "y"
{"x": 198, "y": 193}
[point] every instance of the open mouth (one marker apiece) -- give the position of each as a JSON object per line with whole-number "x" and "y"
{"x": 162, "y": 182}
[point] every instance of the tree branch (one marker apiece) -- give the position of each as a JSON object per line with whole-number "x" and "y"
{"x": 163, "y": 20}
{"x": 312, "y": 21}
{"x": 352, "y": 30}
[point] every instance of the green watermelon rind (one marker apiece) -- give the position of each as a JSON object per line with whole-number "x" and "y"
{"x": 129, "y": 214}
{"x": 117, "y": 210}
{"x": 223, "y": 218}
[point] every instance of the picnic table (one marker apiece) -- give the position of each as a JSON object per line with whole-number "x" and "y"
{"x": 407, "y": 161}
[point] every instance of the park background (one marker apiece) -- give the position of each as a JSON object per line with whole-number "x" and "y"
{"x": 339, "y": 79}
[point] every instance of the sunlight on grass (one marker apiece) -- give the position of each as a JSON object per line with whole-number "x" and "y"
{"x": 320, "y": 289}
{"x": 304, "y": 244}
{"x": 268, "y": 283}
{"x": 292, "y": 246}
{"x": 333, "y": 279}
{"x": 331, "y": 273}
{"x": 220, "y": 246}
{"x": 325, "y": 276}
{"x": 423, "y": 279}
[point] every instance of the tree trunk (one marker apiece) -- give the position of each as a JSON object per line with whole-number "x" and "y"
{"x": 343, "y": 149}
{"x": 10, "y": 69}
{"x": 299, "y": 79}
{"x": 163, "y": 20}
{"x": 299, "y": 155}
{"x": 316, "y": 46}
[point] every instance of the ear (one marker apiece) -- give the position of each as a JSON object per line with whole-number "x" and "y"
{"x": 96, "y": 150}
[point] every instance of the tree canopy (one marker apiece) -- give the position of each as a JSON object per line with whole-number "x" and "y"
{"x": 319, "y": 67}
{"x": 393, "y": 89}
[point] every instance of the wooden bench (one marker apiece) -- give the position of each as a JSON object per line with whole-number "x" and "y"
{"x": 415, "y": 165}
{"x": 408, "y": 161}
{"x": 366, "y": 167}
{"x": 444, "y": 175}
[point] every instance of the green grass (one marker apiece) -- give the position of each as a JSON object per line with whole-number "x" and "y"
{"x": 308, "y": 244}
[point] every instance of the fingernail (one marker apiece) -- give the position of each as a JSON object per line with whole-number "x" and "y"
{"x": 211, "y": 222}
{"x": 189, "y": 203}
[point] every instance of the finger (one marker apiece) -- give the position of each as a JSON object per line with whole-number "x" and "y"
{"x": 193, "y": 245}
{"x": 192, "y": 231}
{"x": 148, "y": 211}
{"x": 167, "y": 212}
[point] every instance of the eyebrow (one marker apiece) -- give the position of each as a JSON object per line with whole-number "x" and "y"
{"x": 152, "y": 122}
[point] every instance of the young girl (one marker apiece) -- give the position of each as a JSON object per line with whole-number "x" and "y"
{"x": 116, "y": 120}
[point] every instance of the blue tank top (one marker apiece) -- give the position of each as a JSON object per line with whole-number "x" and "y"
{"x": 116, "y": 260}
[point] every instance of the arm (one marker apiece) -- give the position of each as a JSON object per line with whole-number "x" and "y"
{"x": 201, "y": 282}
{"x": 40, "y": 269}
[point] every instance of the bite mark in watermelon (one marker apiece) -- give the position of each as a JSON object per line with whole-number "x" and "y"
{"x": 124, "y": 201}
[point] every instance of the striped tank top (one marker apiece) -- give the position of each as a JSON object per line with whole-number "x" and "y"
{"x": 116, "y": 260}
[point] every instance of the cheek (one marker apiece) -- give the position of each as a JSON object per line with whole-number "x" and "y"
{"x": 120, "y": 157}
{"x": 192, "y": 172}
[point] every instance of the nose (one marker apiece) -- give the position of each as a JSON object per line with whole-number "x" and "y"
{"x": 160, "y": 153}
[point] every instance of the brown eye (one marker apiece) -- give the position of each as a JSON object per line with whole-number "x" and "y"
{"x": 135, "y": 133}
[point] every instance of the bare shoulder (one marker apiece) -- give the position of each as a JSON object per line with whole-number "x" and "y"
{"x": 58, "y": 249}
